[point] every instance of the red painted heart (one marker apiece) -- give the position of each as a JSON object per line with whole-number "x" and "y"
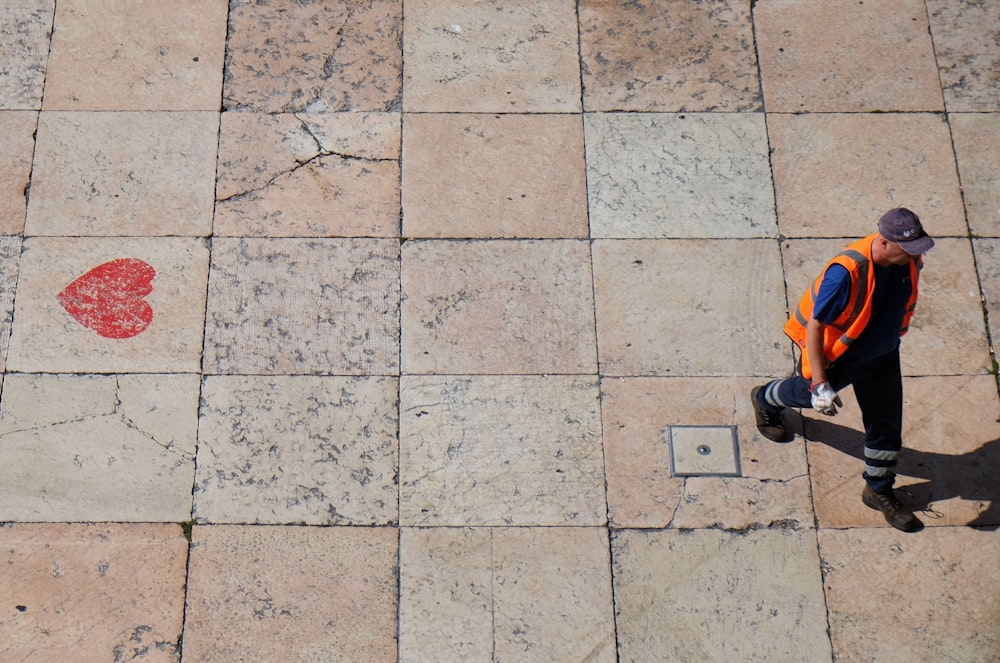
{"x": 109, "y": 298}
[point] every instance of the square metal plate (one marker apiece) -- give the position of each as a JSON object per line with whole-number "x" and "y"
{"x": 700, "y": 451}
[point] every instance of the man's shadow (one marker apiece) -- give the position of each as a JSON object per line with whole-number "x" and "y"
{"x": 973, "y": 476}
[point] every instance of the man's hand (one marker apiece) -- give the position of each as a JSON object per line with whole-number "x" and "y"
{"x": 824, "y": 399}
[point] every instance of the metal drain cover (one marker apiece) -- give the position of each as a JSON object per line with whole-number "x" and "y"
{"x": 697, "y": 451}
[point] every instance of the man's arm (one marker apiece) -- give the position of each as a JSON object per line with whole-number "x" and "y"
{"x": 814, "y": 348}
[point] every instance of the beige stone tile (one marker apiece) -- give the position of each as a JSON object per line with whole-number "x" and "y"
{"x": 308, "y": 175}
{"x": 497, "y": 450}
{"x": 987, "y": 253}
{"x": 87, "y": 448}
{"x": 947, "y": 469}
{"x": 509, "y": 56}
{"x": 965, "y": 44}
{"x": 298, "y": 306}
{"x": 46, "y": 338}
{"x": 302, "y": 449}
{"x": 689, "y": 307}
{"x": 638, "y": 413}
{"x": 337, "y": 55}
{"x": 24, "y": 50}
{"x": 10, "y": 256}
{"x": 497, "y": 306}
{"x": 837, "y": 174}
{"x": 699, "y": 175}
{"x": 92, "y": 592}
{"x": 846, "y": 56}
{"x": 494, "y": 176}
{"x": 977, "y": 148}
{"x": 292, "y": 594}
{"x": 17, "y": 146}
{"x": 897, "y": 598}
{"x": 947, "y": 334}
{"x": 707, "y": 595}
{"x": 668, "y": 56}
{"x": 506, "y": 594}
{"x": 123, "y": 174}
{"x": 127, "y": 55}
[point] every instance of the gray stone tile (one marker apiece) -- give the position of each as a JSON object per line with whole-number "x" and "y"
{"x": 898, "y": 598}
{"x": 496, "y": 450}
{"x": 710, "y": 595}
{"x": 965, "y": 34}
{"x": 24, "y": 51}
{"x": 292, "y": 593}
{"x": 301, "y": 449}
{"x": 977, "y": 149}
{"x": 695, "y": 175}
{"x": 497, "y": 306}
{"x": 85, "y": 448}
{"x": 689, "y": 307}
{"x": 303, "y": 306}
{"x": 987, "y": 252}
{"x": 17, "y": 149}
{"x": 10, "y": 256}
{"x": 505, "y": 594}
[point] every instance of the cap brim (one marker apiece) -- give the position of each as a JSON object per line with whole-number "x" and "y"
{"x": 918, "y": 246}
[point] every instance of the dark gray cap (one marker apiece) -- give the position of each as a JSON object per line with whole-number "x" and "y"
{"x": 903, "y": 227}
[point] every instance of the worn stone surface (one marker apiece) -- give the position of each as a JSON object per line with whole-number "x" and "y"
{"x": 965, "y": 36}
{"x": 339, "y": 55}
{"x": 947, "y": 334}
{"x": 505, "y": 594}
{"x": 497, "y": 306}
{"x": 824, "y": 165}
{"x": 17, "y": 146}
{"x": 977, "y": 148}
{"x": 471, "y": 175}
{"x": 846, "y": 56}
{"x": 948, "y": 465}
{"x": 46, "y": 338}
{"x": 301, "y": 449}
{"x": 292, "y": 593}
{"x": 308, "y": 175}
{"x": 83, "y": 448}
{"x": 696, "y": 175}
{"x": 637, "y": 413}
{"x": 94, "y": 592}
{"x": 24, "y": 50}
{"x": 123, "y": 174}
{"x": 754, "y": 595}
{"x": 507, "y": 56}
{"x": 987, "y": 252}
{"x": 127, "y": 55}
{"x": 495, "y": 450}
{"x": 688, "y": 307}
{"x": 303, "y": 306}
{"x": 10, "y": 256}
{"x": 931, "y": 596}
{"x": 668, "y": 56}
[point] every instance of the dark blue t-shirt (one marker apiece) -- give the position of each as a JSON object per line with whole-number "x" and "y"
{"x": 881, "y": 335}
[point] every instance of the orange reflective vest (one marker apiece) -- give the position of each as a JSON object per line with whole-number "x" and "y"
{"x": 839, "y": 334}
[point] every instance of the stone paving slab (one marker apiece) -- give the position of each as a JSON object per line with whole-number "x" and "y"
{"x": 92, "y": 448}
{"x": 308, "y": 175}
{"x": 292, "y": 593}
{"x": 473, "y": 175}
{"x": 10, "y": 256}
{"x": 92, "y": 592}
{"x": 24, "y": 48}
{"x": 46, "y": 338}
{"x": 123, "y": 174}
{"x": 17, "y": 130}
{"x": 965, "y": 40}
{"x": 987, "y": 252}
{"x": 977, "y": 150}
{"x": 136, "y": 55}
{"x": 676, "y": 176}
{"x": 953, "y": 615}
{"x": 825, "y": 168}
{"x": 709, "y": 595}
{"x": 299, "y": 449}
{"x": 505, "y": 594}
{"x": 846, "y": 56}
{"x": 649, "y": 56}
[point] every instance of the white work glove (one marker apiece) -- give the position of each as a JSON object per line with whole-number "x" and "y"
{"x": 824, "y": 399}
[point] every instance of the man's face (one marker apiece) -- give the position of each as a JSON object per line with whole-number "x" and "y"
{"x": 895, "y": 255}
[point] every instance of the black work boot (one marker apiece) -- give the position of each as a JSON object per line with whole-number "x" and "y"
{"x": 768, "y": 421}
{"x": 896, "y": 513}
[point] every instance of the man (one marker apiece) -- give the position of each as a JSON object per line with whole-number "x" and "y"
{"x": 847, "y": 327}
